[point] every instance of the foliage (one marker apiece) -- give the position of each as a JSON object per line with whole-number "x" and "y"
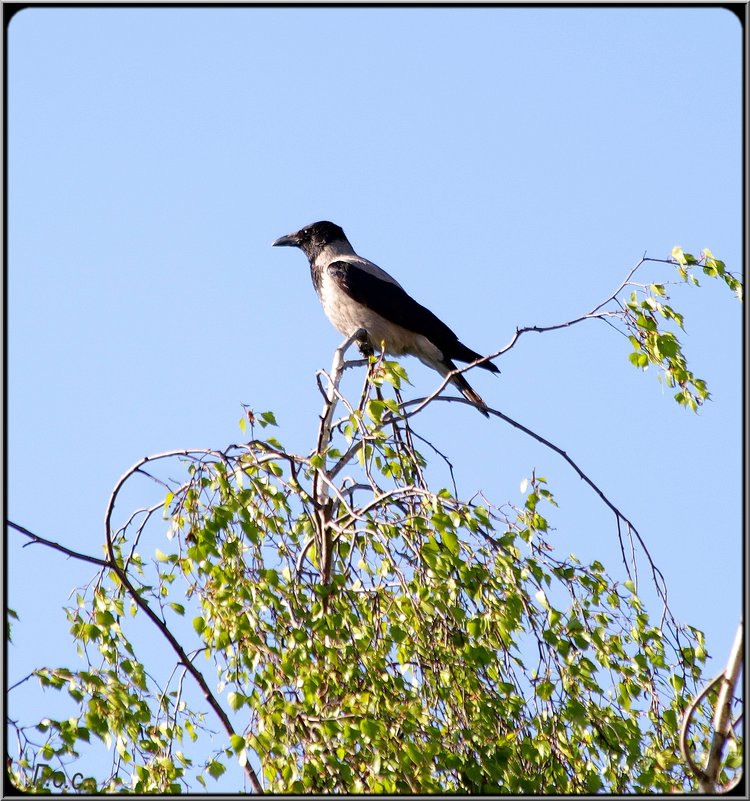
{"x": 653, "y": 344}
{"x": 368, "y": 633}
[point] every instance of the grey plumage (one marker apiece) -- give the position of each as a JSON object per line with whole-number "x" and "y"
{"x": 355, "y": 293}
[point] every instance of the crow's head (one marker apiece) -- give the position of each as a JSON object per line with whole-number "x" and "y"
{"x": 313, "y": 238}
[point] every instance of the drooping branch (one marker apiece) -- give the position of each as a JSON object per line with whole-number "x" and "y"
{"x": 184, "y": 659}
{"x": 658, "y": 576}
{"x": 111, "y": 563}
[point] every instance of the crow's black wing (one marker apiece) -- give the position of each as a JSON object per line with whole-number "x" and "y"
{"x": 391, "y": 302}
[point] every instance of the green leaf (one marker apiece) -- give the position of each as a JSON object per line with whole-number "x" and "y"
{"x": 450, "y": 540}
{"x": 677, "y": 682}
{"x": 267, "y": 419}
{"x": 370, "y": 728}
{"x": 668, "y": 345}
{"x": 105, "y": 619}
{"x": 397, "y": 634}
{"x": 375, "y": 409}
{"x": 593, "y": 783}
{"x": 545, "y": 689}
{"x": 215, "y": 768}
{"x": 272, "y": 577}
{"x": 646, "y": 322}
{"x": 92, "y": 632}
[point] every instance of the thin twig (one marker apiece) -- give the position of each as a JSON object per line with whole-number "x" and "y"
{"x": 35, "y": 538}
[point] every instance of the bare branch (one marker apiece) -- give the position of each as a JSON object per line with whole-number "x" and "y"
{"x": 35, "y": 538}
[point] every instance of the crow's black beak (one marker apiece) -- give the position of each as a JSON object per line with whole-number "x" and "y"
{"x": 290, "y": 240}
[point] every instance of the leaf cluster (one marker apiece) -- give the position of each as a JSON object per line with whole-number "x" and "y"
{"x": 651, "y": 322}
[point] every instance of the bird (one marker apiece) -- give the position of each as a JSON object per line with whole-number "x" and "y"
{"x": 357, "y": 294}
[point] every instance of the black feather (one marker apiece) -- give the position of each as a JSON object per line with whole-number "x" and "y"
{"x": 392, "y": 303}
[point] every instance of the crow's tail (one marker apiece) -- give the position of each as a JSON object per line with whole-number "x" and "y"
{"x": 470, "y": 394}
{"x": 464, "y": 354}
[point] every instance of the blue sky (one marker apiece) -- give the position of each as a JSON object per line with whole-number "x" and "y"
{"x": 507, "y": 165}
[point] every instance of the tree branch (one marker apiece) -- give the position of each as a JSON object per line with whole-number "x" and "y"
{"x": 184, "y": 659}
{"x": 658, "y": 576}
{"x": 36, "y": 539}
{"x": 708, "y": 777}
{"x": 111, "y": 564}
{"x": 321, "y": 479}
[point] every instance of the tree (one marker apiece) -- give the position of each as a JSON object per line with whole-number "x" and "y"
{"x": 369, "y": 632}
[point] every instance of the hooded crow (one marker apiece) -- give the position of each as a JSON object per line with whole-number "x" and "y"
{"x": 357, "y": 294}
